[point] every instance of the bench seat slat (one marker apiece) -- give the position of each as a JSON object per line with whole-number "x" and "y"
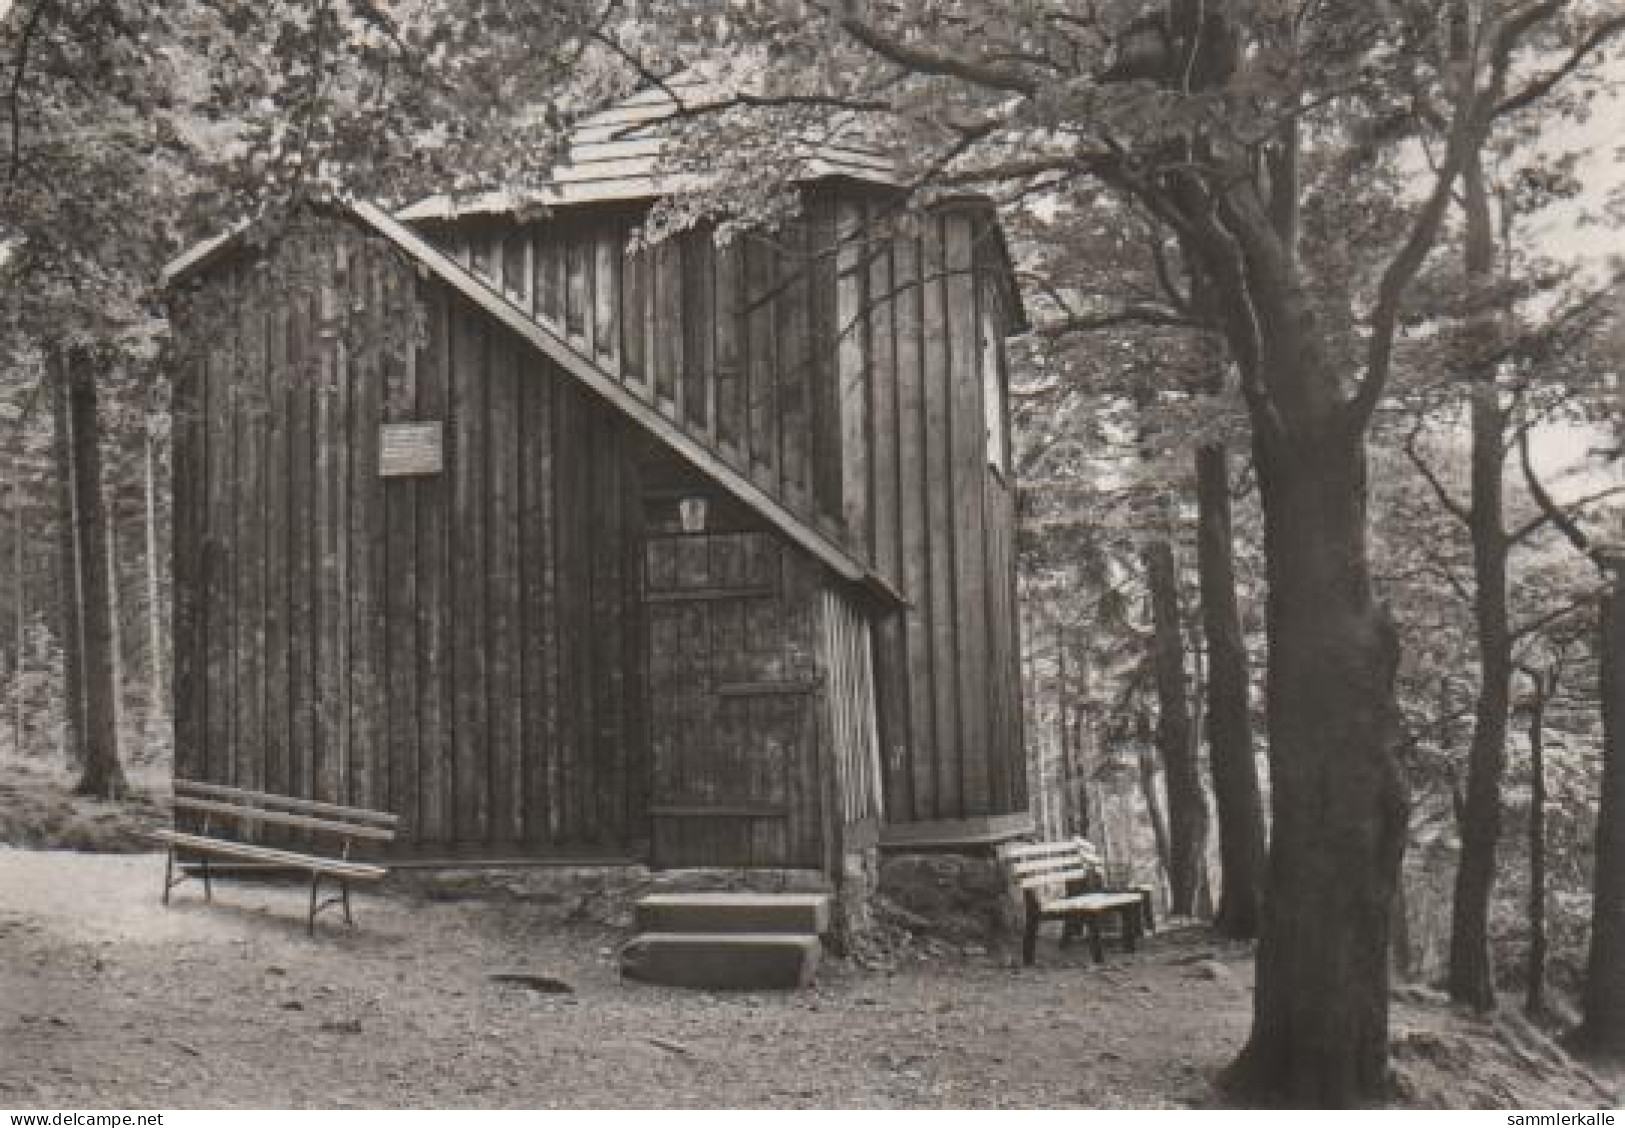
{"x": 203, "y": 790}
{"x": 1033, "y": 869}
{"x": 1058, "y": 880}
{"x": 1092, "y": 903}
{"x": 283, "y": 818}
{"x": 353, "y": 870}
{"x": 1024, "y": 851}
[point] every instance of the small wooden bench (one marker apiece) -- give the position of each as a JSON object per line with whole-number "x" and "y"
{"x": 247, "y": 811}
{"x": 1063, "y": 881}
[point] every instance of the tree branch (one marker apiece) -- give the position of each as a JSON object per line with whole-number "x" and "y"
{"x": 1137, "y": 314}
{"x": 1471, "y": 122}
{"x": 921, "y": 61}
{"x": 1455, "y": 508}
{"x": 1538, "y": 88}
{"x": 1565, "y": 524}
{"x": 1535, "y": 524}
{"x": 1541, "y": 622}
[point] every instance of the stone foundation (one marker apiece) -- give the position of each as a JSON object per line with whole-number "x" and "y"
{"x": 961, "y": 898}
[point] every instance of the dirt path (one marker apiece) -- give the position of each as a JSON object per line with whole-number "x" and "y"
{"x": 106, "y": 998}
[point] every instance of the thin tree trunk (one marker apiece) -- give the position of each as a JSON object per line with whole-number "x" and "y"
{"x": 1064, "y": 711}
{"x": 1236, "y": 799}
{"x": 1471, "y": 976}
{"x": 1187, "y": 807}
{"x": 19, "y": 606}
{"x": 1534, "y": 1002}
{"x": 101, "y": 773}
{"x": 70, "y": 575}
{"x": 158, "y": 686}
{"x": 115, "y": 620}
{"x": 1148, "y": 788}
{"x": 1602, "y": 1031}
{"x": 1403, "y": 953}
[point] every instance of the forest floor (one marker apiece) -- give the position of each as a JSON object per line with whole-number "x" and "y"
{"x": 108, "y": 999}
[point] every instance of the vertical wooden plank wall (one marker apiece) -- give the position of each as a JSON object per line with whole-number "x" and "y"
{"x": 466, "y": 647}
{"x": 840, "y": 366}
{"x": 846, "y": 656}
{"x": 936, "y": 520}
{"x": 457, "y": 647}
{"x": 189, "y": 436}
{"x": 733, "y": 343}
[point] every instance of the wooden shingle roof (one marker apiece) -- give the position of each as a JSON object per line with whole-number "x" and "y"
{"x": 622, "y": 153}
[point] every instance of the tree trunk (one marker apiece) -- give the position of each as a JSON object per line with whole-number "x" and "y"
{"x": 19, "y": 604}
{"x": 1236, "y": 799}
{"x": 87, "y": 515}
{"x": 1153, "y": 802}
{"x": 1602, "y": 1031}
{"x": 1471, "y": 978}
{"x": 1187, "y": 807}
{"x": 1083, "y": 742}
{"x": 1402, "y": 951}
{"x": 1534, "y": 1002}
{"x": 1063, "y": 704}
{"x": 70, "y": 577}
{"x": 115, "y": 618}
{"x": 1320, "y": 1010}
{"x": 158, "y": 685}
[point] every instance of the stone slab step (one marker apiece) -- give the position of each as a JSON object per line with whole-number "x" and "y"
{"x": 806, "y": 914}
{"x": 723, "y": 961}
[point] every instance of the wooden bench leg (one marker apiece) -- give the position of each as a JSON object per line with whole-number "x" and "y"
{"x": 1149, "y": 913}
{"x": 208, "y": 886}
{"x": 315, "y": 883}
{"x": 1097, "y": 949}
{"x": 169, "y": 874}
{"x": 1029, "y": 940}
{"x": 344, "y": 887}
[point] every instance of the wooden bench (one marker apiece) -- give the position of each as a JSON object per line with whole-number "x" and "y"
{"x": 1063, "y": 881}
{"x": 246, "y": 811}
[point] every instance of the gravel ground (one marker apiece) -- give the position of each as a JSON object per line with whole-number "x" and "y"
{"x": 109, "y": 999}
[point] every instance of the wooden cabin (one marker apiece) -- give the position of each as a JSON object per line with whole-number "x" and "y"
{"x": 558, "y": 547}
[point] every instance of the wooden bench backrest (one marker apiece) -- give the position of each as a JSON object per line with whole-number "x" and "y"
{"x": 284, "y": 810}
{"x": 1034, "y": 867}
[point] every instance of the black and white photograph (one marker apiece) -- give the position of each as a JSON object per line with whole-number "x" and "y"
{"x": 812, "y": 554}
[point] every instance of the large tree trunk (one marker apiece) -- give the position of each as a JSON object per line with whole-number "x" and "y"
{"x": 1230, "y": 735}
{"x": 1602, "y": 1032}
{"x": 87, "y": 517}
{"x": 1187, "y": 807}
{"x": 1320, "y": 1011}
{"x": 1471, "y": 978}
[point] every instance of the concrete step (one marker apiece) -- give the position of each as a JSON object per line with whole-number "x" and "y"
{"x": 722, "y": 961}
{"x": 806, "y": 914}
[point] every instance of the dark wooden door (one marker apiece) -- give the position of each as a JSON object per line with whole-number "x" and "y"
{"x": 731, "y": 686}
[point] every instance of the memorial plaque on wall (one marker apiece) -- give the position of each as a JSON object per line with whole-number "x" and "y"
{"x": 409, "y": 449}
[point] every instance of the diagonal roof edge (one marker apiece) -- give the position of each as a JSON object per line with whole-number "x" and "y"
{"x": 585, "y": 371}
